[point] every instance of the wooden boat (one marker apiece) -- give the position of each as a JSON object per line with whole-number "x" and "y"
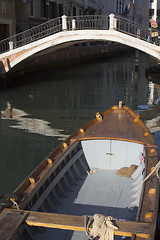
{"x": 90, "y": 172}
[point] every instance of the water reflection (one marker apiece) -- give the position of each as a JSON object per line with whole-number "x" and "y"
{"x": 32, "y": 125}
{"x": 12, "y": 113}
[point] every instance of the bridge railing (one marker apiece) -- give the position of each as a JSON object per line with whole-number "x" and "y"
{"x": 31, "y": 35}
{"x": 99, "y": 22}
{"x": 88, "y": 22}
{"x": 131, "y": 28}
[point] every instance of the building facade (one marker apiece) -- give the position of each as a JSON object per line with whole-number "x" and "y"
{"x": 20, "y": 15}
{"x": 141, "y": 11}
{"x": 7, "y": 18}
{"x": 135, "y": 10}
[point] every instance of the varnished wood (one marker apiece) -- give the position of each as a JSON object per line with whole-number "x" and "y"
{"x": 29, "y": 190}
{"x": 118, "y": 124}
{"x": 77, "y": 223}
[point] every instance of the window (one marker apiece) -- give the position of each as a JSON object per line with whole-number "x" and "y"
{"x": 74, "y": 11}
{"x": 51, "y": 10}
{"x": 151, "y": 12}
{"x": 65, "y": 10}
{"x": 44, "y": 8}
{"x": 4, "y": 30}
{"x": 60, "y": 10}
{"x": 140, "y": 19}
{"x": 32, "y": 8}
{"x": 120, "y": 6}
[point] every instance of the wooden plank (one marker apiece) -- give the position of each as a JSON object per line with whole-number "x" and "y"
{"x": 10, "y": 221}
{"x": 77, "y": 223}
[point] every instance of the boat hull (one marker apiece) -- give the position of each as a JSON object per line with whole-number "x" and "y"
{"x": 101, "y": 168}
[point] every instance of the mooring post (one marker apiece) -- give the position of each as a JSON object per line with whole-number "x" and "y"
{"x": 10, "y": 45}
{"x": 73, "y": 24}
{"x": 111, "y": 22}
{"x": 64, "y": 23}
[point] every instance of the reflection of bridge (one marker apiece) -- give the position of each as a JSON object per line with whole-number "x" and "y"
{"x": 65, "y": 31}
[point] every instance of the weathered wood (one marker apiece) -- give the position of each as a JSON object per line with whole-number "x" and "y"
{"x": 77, "y": 223}
{"x": 10, "y": 221}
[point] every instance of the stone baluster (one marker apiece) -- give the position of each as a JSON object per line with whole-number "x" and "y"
{"x": 64, "y": 23}
{"x": 73, "y": 24}
{"x": 10, "y": 45}
{"x": 115, "y": 23}
{"x": 112, "y": 22}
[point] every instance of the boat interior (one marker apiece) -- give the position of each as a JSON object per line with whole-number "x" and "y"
{"x": 85, "y": 181}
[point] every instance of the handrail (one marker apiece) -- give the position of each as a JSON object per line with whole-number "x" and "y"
{"x": 83, "y": 22}
{"x": 43, "y": 30}
{"x": 89, "y": 22}
{"x": 132, "y": 28}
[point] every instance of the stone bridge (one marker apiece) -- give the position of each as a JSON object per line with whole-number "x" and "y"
{"x": 65, "y": 31}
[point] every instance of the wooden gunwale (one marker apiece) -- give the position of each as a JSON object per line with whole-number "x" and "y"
{"x": 53, "y": 183}
{"x": 149, "y": 202}
{"x": 110, "y": 138}
{"x": 27, "y": 189}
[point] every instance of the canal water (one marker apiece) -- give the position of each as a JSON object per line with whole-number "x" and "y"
{"x": 53, "y": 105}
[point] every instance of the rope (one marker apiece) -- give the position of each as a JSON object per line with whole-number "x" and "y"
{"x": 103, "y": 227}
{"x": 15, "y": 203}
{"x": 156, "y": 169}
{"x": 87, "y": 225}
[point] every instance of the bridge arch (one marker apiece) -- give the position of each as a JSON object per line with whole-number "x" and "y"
{"x": 72, "y": 36}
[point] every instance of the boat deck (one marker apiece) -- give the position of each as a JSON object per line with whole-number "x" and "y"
{"x": 102, "y": 192}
